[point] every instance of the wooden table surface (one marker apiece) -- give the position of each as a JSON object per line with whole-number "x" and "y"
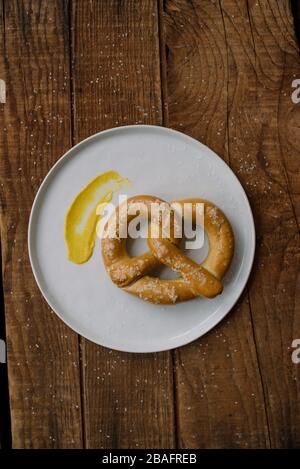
{"x": 222, "y": 72}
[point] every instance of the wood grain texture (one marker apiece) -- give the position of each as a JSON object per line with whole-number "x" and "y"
{"x": 265, "y": 156}
{"x": 35, "y": 130}
{"x": 128, "y": 398}
{"x": 220, "y": 400}
{"x": 5, "y": 432}
{"x": 222, "y": 73}
{"x": 278, "y": 65}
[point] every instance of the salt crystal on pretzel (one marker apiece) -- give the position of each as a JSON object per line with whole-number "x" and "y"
{"x": 131, "y": 273}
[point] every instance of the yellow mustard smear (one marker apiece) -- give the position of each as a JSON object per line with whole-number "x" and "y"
{"x": 82, "y": 216}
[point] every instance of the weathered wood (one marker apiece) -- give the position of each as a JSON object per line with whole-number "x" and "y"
{"x": 264, "y": 153}
{"x": 227, "y": 69}
{"x": 278, "y": 64}
{"x": 4, "y": 405}
{"x": 35, "y": 126}
{"x": 5, "y": 428}
{"x": 220, "y": 401}
{"x": 128, "y": 399}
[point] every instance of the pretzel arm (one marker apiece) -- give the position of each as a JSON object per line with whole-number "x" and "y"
{"x": 195, "y": 279}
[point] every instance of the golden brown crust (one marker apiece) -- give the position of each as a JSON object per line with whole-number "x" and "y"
{"x": 121, "y": 268}
{"x": 195, "y": 280}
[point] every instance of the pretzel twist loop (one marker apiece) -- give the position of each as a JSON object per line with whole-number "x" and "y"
{"x": 131, "y": 273}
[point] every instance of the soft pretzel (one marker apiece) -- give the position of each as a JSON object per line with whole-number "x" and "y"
{"x": 130, "y": 273}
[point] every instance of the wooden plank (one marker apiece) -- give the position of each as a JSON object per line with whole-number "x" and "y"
{"x": 4, "y": 402}
{"x": 35, "y": 126}
{"x": 295, "y": 7}
{"x": 279, "y": 65}
{"x": 128, "y": 399}
{"x": 5, "y": 428}
{"x": 220, "y": 401}
{"x": 264, "y": 149}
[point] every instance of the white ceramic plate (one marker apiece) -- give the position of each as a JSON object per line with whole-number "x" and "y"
{"x": 160, "y": 162}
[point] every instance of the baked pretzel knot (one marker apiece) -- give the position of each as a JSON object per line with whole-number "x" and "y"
{"x": 130, "y": 273}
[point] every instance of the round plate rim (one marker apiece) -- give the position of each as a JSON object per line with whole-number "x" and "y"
{"x": 191, "y": 336}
